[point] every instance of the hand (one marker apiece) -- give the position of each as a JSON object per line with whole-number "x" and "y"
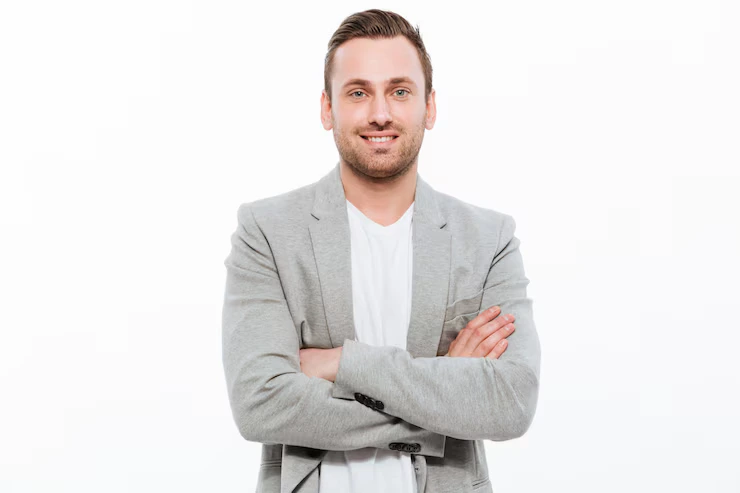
{"x": 485, "y": 335}
{"x": 321, "y": 363}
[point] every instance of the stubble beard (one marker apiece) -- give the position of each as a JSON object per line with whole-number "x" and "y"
{"x": 379, "y": 165}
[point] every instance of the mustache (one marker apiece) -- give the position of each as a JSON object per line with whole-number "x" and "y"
{"x": 389, "y": 129}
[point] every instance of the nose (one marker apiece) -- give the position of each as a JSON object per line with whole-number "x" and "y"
{"x": 380, "y": 112}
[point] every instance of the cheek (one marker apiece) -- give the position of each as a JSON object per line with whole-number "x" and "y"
{"x": 346, "y": 116}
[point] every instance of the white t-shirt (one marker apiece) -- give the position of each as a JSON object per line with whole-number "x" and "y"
{"x": 382, "y": 260}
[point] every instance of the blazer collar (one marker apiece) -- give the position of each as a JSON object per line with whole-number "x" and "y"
{"x": 330, "y": 200}
{"x": 330, "y": 238}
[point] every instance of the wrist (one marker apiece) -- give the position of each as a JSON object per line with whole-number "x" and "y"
{"x": 335, "y": 363}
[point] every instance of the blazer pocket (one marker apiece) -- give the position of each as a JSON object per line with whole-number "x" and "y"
{"x": 464, "y": 306}
{"x": 451, "y": 329}
{"x": 482, "y": 485}
{"x": 271, "y": 463}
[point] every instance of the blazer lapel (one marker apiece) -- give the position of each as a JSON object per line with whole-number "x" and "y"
{"x": 331, "y": 243}
{"x": 330, "y": 238}
{"x": 431, "y": 275}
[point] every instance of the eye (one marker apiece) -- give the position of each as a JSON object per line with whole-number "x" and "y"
{"x": 356, "y": 92}
{"x": 404, "y": 90}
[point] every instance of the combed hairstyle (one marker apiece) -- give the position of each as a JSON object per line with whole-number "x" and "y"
{"x": 375, "y": 24}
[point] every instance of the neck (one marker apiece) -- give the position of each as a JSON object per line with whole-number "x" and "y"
{"x": 383, "y": 200}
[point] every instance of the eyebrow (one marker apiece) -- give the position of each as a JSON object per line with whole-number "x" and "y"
{"x": 366, "y": 83}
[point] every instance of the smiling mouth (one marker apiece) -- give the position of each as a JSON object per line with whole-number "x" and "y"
{"x": 385, "y": 139}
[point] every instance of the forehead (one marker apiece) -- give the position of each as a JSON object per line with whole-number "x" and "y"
{"x": 376, "y": 60}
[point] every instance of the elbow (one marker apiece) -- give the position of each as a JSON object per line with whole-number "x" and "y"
{"x": 515, "y": 427}
{"x": 258, "y": 430}
{"x": 257, "y": 434}
{"x": 260, "y": 411}
{"x": 248, "y": 422}
{"x": 522, "y": 425}
{"x": 517, "y": 417}
{"x": 246, "y": 409}
{"x": 259, "y": 424}
{"x": 248, "y": 430}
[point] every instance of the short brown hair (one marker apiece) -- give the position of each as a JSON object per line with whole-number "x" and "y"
{"x": 375, "y": 24}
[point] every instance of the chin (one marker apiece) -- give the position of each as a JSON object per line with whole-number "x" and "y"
{"x": 385, "y": 170}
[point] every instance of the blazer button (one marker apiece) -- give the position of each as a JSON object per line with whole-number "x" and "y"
{"x": 405, "y": 447}
{"x": 360, "y": 398}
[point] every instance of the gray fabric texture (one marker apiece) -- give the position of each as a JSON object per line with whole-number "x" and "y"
{"x": 288, "y": 287}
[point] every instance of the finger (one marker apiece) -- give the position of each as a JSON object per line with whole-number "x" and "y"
{"x": 498, "y": 349}
{"x": 483, "y": 317}
{"x": 487, "y": 345}
{"x": 479, "y": 334}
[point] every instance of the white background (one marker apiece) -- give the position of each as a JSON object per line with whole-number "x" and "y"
{"x": 130, "y": 132}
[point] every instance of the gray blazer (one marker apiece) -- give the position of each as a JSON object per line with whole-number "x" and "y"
{"x": 288, "y": 287}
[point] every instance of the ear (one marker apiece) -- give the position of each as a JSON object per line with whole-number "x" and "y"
{"x": 325, "y": 110}
{"x": 431, "y": 111}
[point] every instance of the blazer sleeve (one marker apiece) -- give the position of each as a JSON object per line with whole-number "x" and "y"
{"x": 463, "y": 398}
{"x": 271, "y": 400}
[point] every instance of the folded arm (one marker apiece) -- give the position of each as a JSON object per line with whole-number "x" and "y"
{"x": 464, "y": 398}
{"x": 271, "y": 400}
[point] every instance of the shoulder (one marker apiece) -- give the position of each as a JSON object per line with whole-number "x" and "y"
{"x": 471, "y": 219}
{"x": 291, "y": 207}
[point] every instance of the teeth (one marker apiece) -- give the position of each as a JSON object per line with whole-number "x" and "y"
{"x": 380, "y": 139}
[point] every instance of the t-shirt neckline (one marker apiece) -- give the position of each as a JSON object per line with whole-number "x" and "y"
{"x": 379, "y": 228}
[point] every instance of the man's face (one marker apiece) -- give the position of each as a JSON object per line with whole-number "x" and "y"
{"x": 379, "y": 105}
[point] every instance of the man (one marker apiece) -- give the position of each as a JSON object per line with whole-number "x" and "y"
{"x": 358, "y": 345}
